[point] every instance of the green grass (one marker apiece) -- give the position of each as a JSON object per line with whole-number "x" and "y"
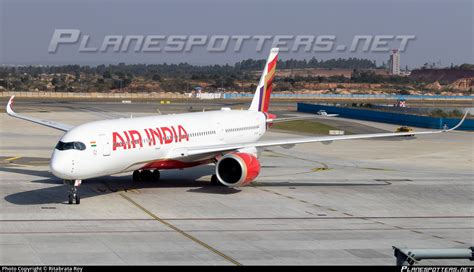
{"x": 304, "y": 126}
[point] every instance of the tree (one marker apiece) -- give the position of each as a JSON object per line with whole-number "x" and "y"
{"x": 156, "y": 77}
{"x": 120, "y": 74}
{"x": 127, "y": 81}
{"x": 77, "y": 76}
{"x": 55, "y": 81}
{"x": 229, "y": 82}
{"x": 117, "y": 84}
{"x": 107, "y": 74}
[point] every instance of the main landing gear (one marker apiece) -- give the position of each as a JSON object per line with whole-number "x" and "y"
{"x": 146, "y": 175}
{"x": 215, "y": 181}
{"x": 74, "y": 191}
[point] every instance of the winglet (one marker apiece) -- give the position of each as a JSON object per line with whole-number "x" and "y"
{"x": 10, "y": 106}
{"x": 459, "y": 124}
{"x": 43, "y": 122}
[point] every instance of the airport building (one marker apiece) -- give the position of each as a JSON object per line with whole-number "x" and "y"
{"x": 394, "y": 62}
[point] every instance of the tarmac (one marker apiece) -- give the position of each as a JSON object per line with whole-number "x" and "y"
{"x": 346, "y": 203}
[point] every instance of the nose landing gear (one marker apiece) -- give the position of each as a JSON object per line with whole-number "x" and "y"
{"x": 74, "y": 191}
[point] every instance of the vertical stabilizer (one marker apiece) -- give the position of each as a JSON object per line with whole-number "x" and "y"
{"x": 261, "y": 99}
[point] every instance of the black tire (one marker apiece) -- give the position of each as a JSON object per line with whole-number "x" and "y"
{"x": 214, "y": 180}
{"x": 78, "y": 199}
{"x": 146, "y": 175}
{"x": 156, "y": 175}
{"x": 136, "y": 176}
{"x": 70, "y": 199}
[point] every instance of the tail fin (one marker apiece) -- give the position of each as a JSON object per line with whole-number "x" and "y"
{"x": 261, "y": 99}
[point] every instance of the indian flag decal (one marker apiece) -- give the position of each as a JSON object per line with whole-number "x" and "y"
{"x": 93, "y": 144}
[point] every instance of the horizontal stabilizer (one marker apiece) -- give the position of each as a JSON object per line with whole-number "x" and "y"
{"x": 298, "y": 118}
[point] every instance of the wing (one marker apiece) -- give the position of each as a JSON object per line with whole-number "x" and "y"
{"x": 298, "y": 118}
{"x": 51, "y": 124}
{"x": 289, "y": 142}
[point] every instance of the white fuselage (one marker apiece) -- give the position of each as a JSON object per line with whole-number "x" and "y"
{"x": 122, "y": 145}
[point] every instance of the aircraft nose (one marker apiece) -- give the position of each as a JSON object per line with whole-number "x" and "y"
{"x": 59, "y": 166}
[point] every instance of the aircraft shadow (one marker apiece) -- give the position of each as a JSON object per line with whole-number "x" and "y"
{"x": 111, "y": 184}
{"x": 31, "y": 172}
{"x": 215, "y": 189}
{"x": 344, "y": 183}
{"x": 192, "y": 179}
{"x": 50, "y": 195}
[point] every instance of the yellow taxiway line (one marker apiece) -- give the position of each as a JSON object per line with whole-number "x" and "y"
{"x": 12, "y": 158}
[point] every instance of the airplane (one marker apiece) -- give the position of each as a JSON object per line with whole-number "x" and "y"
{"x": 230, "y": 139}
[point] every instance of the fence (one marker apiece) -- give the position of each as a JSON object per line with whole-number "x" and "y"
{"x": 388, "y": 117}
{"x": 94, "y": 95}
{"x": 352, "y": 96}
{"x": 174, "y": 95}
{"x": 207, "y": 95}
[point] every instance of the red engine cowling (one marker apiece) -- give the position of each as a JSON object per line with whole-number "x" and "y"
{"x": 237, "y": 169}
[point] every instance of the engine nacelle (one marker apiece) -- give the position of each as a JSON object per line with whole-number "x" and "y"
{"x": 237, "y": 169}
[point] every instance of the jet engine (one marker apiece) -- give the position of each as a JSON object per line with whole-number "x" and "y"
{"x": 237, "y": 169}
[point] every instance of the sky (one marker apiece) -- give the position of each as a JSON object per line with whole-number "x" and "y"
{"x": 443, "y": 29}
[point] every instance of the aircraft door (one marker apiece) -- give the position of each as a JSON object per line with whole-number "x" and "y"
{"x": 105, "y": 144}
{"x": 219, "y": 131}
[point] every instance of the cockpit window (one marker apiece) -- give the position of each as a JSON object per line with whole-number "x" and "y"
{"x": 79, "y": 146}
{"x": 70, "y": 145}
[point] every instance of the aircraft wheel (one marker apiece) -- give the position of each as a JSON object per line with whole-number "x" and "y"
{"x": 214, "y": 180}
{"x": 156, "y": 175}
{"x": 78, "y": 199}
{"x": 136, "y": 176}
{"x": 146, "y": 175}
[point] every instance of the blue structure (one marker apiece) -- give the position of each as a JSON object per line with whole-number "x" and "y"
{"x": 388, "y": 117}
